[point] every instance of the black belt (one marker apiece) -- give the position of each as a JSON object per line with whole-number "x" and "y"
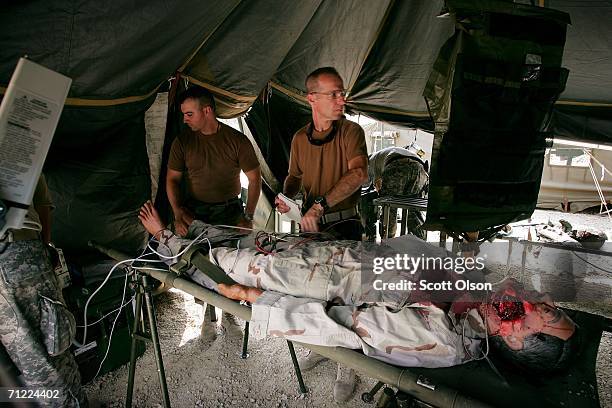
{"x": 339, "y": 215}
{"x": 196, "y": 203}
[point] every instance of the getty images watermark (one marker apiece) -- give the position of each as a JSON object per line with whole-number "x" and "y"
{"x": 408, "y": 270}
{"x": 440, "y": 269}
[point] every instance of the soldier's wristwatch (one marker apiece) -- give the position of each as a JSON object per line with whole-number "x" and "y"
{"x": 322, "y": 202}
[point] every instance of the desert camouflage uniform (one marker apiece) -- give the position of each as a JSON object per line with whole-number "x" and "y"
{"x": 404, "y": 177}
{"x": 418, "y": 335}
{"x": 35, "y": 326}
{"x": 301, "y": 283}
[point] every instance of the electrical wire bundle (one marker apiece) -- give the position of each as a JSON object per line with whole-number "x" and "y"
{"x": 149, "y": 250}
{"x": 265, "y": 242}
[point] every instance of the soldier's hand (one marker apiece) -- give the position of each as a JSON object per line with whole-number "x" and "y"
{"x": 310, "y": 220}
{"x": 182, "y": 220}
{"x": 281, "y": 207}
{"x": 180, "y": 227}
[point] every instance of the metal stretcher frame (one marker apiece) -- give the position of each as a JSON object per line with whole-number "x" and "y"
{"x": 417, "y": 381}
{"x": 404, "y": 203}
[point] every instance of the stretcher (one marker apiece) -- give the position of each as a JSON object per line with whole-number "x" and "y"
{"x": 474, "y": 384}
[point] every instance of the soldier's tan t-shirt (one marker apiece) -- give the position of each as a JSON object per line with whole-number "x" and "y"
{"x": 320, "y": 167}
{"x": 211, "y": 164}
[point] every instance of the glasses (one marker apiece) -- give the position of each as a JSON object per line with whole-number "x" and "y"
{"x": 333, "y": 94}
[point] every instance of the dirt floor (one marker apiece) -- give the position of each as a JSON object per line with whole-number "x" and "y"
{"x": 214, "y": 375}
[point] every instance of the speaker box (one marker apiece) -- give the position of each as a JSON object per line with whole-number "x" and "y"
{"x": 101, "y": 309}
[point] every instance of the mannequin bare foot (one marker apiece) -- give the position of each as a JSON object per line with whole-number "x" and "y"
{"x": 149, "y": 217}
{"x": 240, "y": 292}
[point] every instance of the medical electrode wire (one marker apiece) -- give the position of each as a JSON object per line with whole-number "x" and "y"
{"x": 110, "y": 336}
{"x": 139, "y": 258}
{"x": 486, "y": 325}
{"x": 112, "y": 311}
{"x": 485, "y": 353}
{"x": 196, "y": 240}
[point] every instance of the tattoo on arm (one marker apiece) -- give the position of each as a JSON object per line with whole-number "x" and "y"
{"x": 347, "y": 185}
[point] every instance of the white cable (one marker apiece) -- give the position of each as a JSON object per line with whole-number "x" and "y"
{"x": 234, "y": 227}
{"x": 139, "y": 258}
{"x": 94, "y": 294}
{"x": 110, "y": 313}
{"x": 110, "y": 336}
{"x": 196, "y": 240}
{"x": 486, "y": 324}
{"x": 76, "y": 400}
{"x": 110, "y": 339}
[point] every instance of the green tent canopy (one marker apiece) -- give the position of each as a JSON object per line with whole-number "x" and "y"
{"x": 250, "y": 54}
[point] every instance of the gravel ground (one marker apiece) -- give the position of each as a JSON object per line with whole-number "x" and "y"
{"x": 216, "y": 376}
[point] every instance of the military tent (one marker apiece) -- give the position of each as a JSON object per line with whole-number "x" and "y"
{"x": 253, "y": 55}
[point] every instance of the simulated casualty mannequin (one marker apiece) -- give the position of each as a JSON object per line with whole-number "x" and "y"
{"x": 311, "y": 294}
{"x": 36, "y": 328}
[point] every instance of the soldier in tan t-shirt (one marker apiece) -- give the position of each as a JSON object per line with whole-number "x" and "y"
{"x": 328, "y": 161}
{"x": 210, "y": 156}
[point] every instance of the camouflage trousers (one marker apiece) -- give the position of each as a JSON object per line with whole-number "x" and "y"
{"x": 217, "y": 214}
{"x": 369, "y": 214}
{"x": 299, "y": 282}
{"x": 35, "y": 325}
{"x": 404, "y": 177}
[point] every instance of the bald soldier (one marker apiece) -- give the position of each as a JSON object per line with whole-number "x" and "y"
{"x": 329, "y": 161}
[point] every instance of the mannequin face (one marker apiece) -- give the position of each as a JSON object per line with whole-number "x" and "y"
{"x": 513, "y": 318}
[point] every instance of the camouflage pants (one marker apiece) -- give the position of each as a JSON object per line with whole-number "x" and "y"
{"x": 216, "y": 214}
{"x": 369, "y": 214}
{"x": 33, "y": 323}
{"x": 404, "y": 177}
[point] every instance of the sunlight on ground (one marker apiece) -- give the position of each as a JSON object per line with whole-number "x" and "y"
{"x": 194, "y": 312}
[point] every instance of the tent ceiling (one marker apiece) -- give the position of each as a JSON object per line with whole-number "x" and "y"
{"x": 120, "y": 53}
